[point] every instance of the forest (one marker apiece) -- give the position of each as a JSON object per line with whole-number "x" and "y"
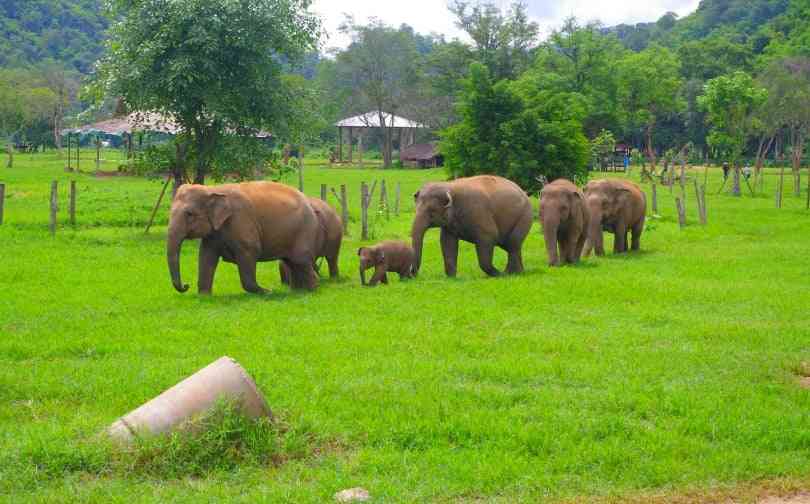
{"x": 562, "y": 103}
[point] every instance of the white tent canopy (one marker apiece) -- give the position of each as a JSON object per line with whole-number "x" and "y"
{"x": 372, "y": 120}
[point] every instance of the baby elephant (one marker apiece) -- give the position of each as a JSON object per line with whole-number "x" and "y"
{"x": 394, "y": 256}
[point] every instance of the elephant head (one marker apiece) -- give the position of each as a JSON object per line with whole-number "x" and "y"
{"x": 604, "y": 201}
{"x": 434, "y": 208}
{"x": 370, "y": 257}
{"x": 197, "y": 212}
{"x": 556, "y": 206}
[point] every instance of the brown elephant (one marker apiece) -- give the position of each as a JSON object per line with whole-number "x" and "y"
{"x": 393, "y": 256}
{"x": 244, "y": 224}
{"x": 565, "y": 221}
{"x": 327, "y": 240}
{"x": 484, "y": 210}
{"x": 616, "y": 206}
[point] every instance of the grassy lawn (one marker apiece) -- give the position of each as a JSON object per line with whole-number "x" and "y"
{"x": 668, "y": 370}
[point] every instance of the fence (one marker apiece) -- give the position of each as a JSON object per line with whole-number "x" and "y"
{"x": 341, "y": 200}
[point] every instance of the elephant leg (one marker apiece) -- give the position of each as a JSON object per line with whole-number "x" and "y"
{"x": 485, "y": 251}
{"x": 284, "y": 272}
{"x": 450, "y": 252}
{"x": 207, "y": 266}
{"x": 570, "y": 249}
{"x": 637, "y": 229}
{"x": 514, "y": 245}
{"x": 385, "y": 278}
{"x": 304, "y": 276}
{"x": 620, "y": 240}
{"x": 564, "y": 244}
{"x": 333, "y": 266}
{"x": 514, "y": 265}
{"x": 579, "y": 247}
{"x": 379, "y": 275}
{"x": 247, "y": 274}
{"x": 599, "y": 246}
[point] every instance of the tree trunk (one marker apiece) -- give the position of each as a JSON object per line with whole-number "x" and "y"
{"x": 650, "y": 149}
{"x": 798, "y": 151}
{"x": 762, "y": 153}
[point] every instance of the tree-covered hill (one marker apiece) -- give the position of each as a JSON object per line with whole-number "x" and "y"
{"x": 748, "y": 21}
{"x": 68, "y": 31}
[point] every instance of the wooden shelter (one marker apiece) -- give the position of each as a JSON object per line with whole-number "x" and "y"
{"x": 359, "y": 125}
{"x": 421, "y": 156}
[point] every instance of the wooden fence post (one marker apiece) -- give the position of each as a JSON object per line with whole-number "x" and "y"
{"x": 157, "y": 205}
{"x": 10, "y": 163}
{"x": 98, "y": 153}
{"x": 54, "y": 207}
{"x": 779, "y": 187}
{"x": 681, "y": 212}
{"x": 702, "y": 196}
{"x": 323, "y": 192}
{"x": 2, "y": 201}
{"x": 398, "y": 190}
{"x": 654, "y": 197}
{"x": 72, "y": 206}
{"x": 384, "y": 200}
{"x": 364, "y": 196}
{"x": 344, "y": 208}
{"x": 301, "y": 168}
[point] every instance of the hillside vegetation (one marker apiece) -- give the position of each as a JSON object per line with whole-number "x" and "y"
{"x": 67, "y": 31}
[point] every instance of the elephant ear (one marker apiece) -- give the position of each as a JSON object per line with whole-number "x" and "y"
{"x": 220, "y": 209}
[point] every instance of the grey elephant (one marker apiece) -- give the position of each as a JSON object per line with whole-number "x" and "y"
{"x": 327, "y": 240}
{"x": 616, "y": 206}
{"x": 485, "y": 210}
{"x": 244, "y": 224}
{"x": 565, "y": 221}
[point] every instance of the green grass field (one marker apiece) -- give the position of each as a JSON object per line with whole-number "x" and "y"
{"x": 669, "y": 370}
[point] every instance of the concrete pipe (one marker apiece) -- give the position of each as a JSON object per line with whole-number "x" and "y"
{"x": 197, "y": 394}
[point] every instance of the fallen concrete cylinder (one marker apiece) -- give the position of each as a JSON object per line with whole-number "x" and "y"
{"x": 224, "y": 379}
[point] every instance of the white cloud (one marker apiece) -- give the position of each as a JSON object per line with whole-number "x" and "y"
{"x": 432, "y": 16}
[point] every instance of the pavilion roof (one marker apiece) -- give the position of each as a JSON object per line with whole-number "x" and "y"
{"x": 372, "y": 120}
{"x": 138, "y": 121}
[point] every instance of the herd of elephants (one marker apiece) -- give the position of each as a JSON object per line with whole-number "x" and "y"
{"x": 265, "y": 221}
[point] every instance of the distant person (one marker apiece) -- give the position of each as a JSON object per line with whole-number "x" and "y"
{"x": 626, "y": 161}
{"x": 747, "y": 172}
{"x": 725, "y": 171}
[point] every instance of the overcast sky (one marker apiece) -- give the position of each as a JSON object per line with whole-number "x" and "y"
{"x": 432, "y": 16}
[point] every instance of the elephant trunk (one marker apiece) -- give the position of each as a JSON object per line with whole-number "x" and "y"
{"x": 173, "y": 244}
{"x": 420, "y": 225}
{"x": 362, "y": 275}
{"x": 550, "y": 228}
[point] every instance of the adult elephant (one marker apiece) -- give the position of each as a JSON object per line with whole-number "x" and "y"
{"x": 243, "y": 224}
{"x": 483, "y": 210}
{"x": 565, "y": 221}
{"x": 616, "y": 206}
{"x": 327, "y": 240}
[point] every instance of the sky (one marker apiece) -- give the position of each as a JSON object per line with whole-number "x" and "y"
{"x": 432, "y": 16}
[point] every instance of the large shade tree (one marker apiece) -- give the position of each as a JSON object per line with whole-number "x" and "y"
{"x": 215, "y": 66}
{"x": 650, "y": 84}
{"x": 729, "y": 101}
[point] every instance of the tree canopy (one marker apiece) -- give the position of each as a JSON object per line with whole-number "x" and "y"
{"x": 215, "y": 67}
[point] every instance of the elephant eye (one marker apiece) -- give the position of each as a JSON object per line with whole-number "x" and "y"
{"x": 189, "y": 213}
